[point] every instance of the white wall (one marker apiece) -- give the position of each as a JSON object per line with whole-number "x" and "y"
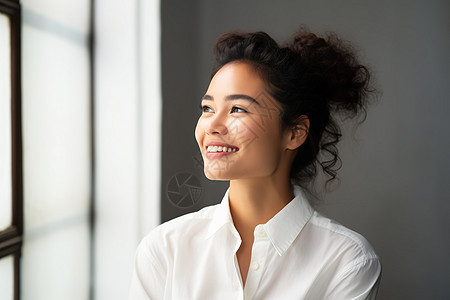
{"x": 127, "y": 136}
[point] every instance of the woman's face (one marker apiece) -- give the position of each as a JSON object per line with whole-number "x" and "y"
{"x": 239, "y": 132}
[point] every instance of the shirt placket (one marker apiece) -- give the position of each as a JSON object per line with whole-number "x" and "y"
{"x": 237, "y": 280}
{"x": 257, "y": 263}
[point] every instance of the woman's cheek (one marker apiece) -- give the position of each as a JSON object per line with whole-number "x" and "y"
{"x": 198, "y": 132}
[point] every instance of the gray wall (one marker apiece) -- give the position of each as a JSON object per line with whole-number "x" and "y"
{"x": 395, "y": 186}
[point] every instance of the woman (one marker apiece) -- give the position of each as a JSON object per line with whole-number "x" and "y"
{"x": 267, "y": 118}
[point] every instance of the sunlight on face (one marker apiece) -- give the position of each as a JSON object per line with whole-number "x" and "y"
{"x": 239, "y": 131}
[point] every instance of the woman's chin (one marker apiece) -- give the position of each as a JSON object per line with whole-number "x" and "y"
{"x": 216, "y": 175}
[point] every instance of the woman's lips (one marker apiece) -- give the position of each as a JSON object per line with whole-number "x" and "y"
{"x": 217, "y": 151}
{"x": 220, "y": 148}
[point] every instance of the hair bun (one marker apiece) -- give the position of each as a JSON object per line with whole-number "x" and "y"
{"x": 334, "y": 69}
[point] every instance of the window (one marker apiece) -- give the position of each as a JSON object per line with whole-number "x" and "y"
{"x": 56, "y": 138}
{"x": 10, "y": 150}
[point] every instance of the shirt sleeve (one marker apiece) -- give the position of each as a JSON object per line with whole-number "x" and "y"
{"x": 147, "y": 281}
{"x": 358, "y": 281}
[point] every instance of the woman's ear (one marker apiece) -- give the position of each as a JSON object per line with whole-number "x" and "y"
{"x": 297, "y": 134}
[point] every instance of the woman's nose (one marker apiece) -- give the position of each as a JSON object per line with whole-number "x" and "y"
{"x": 217, "y": 125}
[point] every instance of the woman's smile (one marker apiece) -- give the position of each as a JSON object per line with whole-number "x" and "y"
{"x": 219, "y": 150}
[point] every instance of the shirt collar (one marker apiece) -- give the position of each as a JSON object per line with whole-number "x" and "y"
{"x": 221, "y": 216}
{"x": 287, "y": 224}
{"x": 282, "y": 229}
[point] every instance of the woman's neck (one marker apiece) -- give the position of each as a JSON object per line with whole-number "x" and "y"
{"x": 256, "y": 201}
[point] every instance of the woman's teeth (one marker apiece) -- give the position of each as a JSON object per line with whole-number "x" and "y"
{"x": 220, "y": 149}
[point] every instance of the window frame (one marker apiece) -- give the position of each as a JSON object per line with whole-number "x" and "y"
{"x": 11, "y": 237}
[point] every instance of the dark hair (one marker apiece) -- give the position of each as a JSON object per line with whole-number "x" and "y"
{"x": 310, "y": 76}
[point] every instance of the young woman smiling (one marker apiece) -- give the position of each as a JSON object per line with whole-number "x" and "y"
{"x": 267, "y": 117}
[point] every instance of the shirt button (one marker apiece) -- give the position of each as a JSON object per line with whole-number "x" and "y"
{"x": 255, "y": 266}
{"x": 261, "y": 233}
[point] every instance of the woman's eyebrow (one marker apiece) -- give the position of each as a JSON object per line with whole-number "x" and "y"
{"x": 208, "y": 97}
{"x": 232, "y": 97}
{"x": 240, "y": 96}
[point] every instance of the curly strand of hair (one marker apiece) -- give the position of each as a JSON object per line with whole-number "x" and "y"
{"x": 331, "y": 162}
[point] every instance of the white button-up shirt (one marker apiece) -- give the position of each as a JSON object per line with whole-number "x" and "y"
{"x": 298, "y": 254}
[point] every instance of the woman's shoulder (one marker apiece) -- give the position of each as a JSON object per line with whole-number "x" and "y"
{"x": 338, "y": 236}
{"x": 180, "y": 228}
{"x": 343, "y": 257}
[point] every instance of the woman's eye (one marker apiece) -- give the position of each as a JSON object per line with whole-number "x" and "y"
{"x": 236, "y": 109}
{"x": 206, "y": 109}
